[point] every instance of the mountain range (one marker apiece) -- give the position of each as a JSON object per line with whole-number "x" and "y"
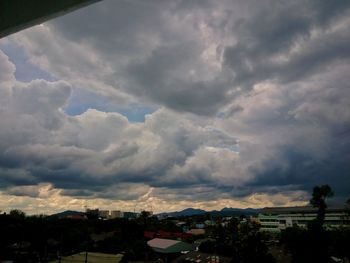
{"x": 67, "y": 213}
{"x": 227, "y": 211}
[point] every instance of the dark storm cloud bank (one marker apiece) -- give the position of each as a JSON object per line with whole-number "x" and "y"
{"x": 304, "y": 172}
{"x": 264, "y": 49}
{"x": 158, "y": 54}
{"x": 281, "y": 85}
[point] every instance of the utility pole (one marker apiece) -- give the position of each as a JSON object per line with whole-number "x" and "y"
{"x": 87, "y": 244}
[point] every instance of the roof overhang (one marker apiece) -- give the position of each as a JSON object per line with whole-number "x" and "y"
{"x": 16, "y": 15}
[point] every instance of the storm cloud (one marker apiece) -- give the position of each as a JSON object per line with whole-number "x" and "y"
{"x": 251, "y": 104}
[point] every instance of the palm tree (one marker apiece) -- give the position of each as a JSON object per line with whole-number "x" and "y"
{"x": 318, "y": 200}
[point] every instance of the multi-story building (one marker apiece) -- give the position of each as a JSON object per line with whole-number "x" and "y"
{"x": 275, "y": 219}
{"x": 107, "y": 214}
{"x": 103, "y": 214}
{"x": 130, "y": 215}
{"x": 116, "y": 214}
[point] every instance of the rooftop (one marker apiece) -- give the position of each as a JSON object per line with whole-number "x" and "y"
{"x": 92, "y": 257}
{"x": 166, "y": 246}
{"x": 297, "y": 209}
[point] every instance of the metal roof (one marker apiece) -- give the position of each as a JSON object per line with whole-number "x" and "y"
{"x": 162, "y": 243}
{"x": 167, "y": 246}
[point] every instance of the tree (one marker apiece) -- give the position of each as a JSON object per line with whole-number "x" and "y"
{"x": 144, "y": 218}
{"x": 16, "y": 213}
{"x": 314, "y": 243}
{"x": 318, "y": 200}
{"x": 251, "y": 246}
{"x": 347, "y": 204}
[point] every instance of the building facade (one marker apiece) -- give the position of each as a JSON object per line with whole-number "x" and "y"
{"x": 103, "y": 214}
{"x": 116, "y": 214}
{"x": 275, "y": 219}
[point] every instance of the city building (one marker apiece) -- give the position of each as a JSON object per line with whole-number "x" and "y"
{"x": 116, "y": 214}
{"x": 103, "y": 214}
{"x": 275, "y": 219}
{"x": 130, "y": 215}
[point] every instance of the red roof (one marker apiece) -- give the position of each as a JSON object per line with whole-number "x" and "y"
{"x": 149, "y": 234}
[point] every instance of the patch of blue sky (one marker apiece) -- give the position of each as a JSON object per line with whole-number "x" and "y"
{"x": 228, "y": 147}
{"x": 81, "y": 100}
{"x": 226, "y": 142}
{"x": 220, "y": 115}
{"x": 231, "y": 148}
{"x": 25, "y": 70}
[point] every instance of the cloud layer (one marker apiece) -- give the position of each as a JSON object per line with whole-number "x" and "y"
{"x": 252, "y": 105}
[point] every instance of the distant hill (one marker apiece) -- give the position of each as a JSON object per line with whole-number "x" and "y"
{"x": 230, "y": 209}
{"x": 67, "y": 213}
{"x": 227, "y": 211}
{"x": 185, "y": 212}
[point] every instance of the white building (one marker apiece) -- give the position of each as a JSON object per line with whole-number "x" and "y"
{"x": 116, "y": 214}
{"x": 275, "y": 219}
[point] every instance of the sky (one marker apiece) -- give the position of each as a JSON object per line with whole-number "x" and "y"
{"x": 162, "y": 105}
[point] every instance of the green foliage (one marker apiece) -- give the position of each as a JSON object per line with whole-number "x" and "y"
{"x": 316, "y": 244}
{"x": 339, "y": 243}
{"x": 39, "y": 238}
{"x": 311, "y": 244}
{"x": 16, "y": 213}
{"x": 92, "y": 215}
{"x": 252, "y": 244}
{"x": 241, "y": 241}
{"x": 208, "y": 246}
{"x": 347, "y": 206}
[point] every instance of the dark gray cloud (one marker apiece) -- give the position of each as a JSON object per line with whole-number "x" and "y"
{"x": 302, "y": 136}
{"x": 289, "y": 42}
{"x": 193, "y": 57}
